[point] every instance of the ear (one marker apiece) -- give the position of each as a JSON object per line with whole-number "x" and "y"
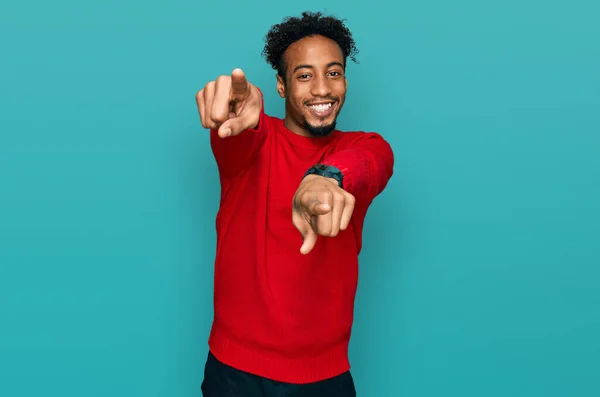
{"x": 280, "y": 86}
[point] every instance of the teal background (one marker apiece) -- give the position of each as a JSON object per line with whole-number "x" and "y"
{"x": 479, "y": 275}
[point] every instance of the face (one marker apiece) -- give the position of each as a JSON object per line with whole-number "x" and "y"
{"x": 315, "y": 86}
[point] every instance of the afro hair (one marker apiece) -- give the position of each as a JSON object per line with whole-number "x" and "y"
{"x": 292, "y": 29}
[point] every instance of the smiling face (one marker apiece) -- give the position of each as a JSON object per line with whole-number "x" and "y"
{"x": 315, "y": 86}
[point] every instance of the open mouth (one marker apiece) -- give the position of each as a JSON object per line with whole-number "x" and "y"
{"x": 322, "y": 109}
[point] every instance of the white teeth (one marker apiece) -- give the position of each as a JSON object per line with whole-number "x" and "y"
{"x": 321, "y": 108}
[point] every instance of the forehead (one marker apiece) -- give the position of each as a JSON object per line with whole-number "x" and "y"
{"x": 315, "y": 51}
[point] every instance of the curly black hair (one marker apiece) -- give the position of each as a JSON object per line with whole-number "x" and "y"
{"x": 292, "y": 29}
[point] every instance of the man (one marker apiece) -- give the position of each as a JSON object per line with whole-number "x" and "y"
{"x": 294, "y": 195}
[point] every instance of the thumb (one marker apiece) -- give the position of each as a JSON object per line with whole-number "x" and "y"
{"x": 309, "y": 241}
{"x": 236, "y": 124}
{"x": 315, "y": 207}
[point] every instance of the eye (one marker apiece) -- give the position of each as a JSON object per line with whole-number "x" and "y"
{"x": 335, "y": 74}
{"x": 303, "y": 76}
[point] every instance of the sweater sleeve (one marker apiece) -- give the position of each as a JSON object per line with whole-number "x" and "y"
{"x": 233, "y": 154}
{"x": 366, "y": 161}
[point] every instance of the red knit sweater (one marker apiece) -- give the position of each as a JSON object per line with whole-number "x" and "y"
{"x": 277, "y": 313}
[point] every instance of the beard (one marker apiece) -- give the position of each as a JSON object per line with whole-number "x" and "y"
{"x": 320, "y": 131}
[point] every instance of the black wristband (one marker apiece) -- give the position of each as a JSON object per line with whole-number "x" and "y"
{"x": 327, "y": 171}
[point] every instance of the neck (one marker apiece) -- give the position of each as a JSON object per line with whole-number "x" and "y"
{"x": 295, "y": 128}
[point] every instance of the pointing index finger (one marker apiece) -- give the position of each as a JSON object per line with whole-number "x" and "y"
{"x": 239, "y": 84}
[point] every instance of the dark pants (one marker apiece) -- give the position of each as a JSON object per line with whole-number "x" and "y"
{"x": 221, "y": 380}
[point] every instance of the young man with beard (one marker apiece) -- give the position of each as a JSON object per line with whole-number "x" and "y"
{"x": 294, "y": 195}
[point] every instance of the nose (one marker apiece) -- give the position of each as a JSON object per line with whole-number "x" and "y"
{"x": 321, "y": 87}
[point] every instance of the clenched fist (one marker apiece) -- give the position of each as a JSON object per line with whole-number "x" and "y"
{"x": 230, "y": 104}
{"x": 320, "y": 208}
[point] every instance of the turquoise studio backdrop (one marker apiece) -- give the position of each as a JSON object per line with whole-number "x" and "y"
{"x": 481, "y": 264}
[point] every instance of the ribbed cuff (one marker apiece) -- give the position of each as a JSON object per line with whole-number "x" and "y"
{"x": 352, "y": 166}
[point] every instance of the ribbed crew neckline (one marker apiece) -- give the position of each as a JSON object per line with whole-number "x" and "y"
{"x": 304, "y": 141}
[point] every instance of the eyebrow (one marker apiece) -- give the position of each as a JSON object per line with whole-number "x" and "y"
{"x": 330, "y": 64}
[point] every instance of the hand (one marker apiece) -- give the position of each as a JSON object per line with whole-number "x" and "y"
{"x": 230, "y": 104}
{"x": 320, "y": 208}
